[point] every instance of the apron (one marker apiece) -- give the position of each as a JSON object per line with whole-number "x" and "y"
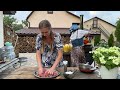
{"x": 77, "y": 56}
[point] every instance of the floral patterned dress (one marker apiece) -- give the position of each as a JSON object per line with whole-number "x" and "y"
{"x": 47, "y": 56}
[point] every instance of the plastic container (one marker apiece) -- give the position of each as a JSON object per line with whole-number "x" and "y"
{"x": 9, "y": 51}
{"x": 2, "y": 54}
{"x": 9, "y": 48}
{"x": 65, "y": 63}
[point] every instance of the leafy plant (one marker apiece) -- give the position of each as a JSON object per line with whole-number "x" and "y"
{"x": 102, "y": 43}
{"x": 108, "y": 57}
{"x": 97, "y": 40}
{"x": 117, "y": 31}
{"x": 12, "y": 22}
{"x": 111, "y": 41}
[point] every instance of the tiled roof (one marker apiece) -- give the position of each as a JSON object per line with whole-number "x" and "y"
{"x": 101, "y": 20}
{"x": 35, "y": 30}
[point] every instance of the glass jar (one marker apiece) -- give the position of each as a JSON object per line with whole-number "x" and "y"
{"x": 65, "y": 63}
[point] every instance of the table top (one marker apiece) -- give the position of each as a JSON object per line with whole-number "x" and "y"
{"x": 28, "y": 73}
{"x": 7, "y": 64}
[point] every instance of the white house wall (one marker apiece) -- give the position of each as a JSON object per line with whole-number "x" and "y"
{"x": 59, "y": 19}
{"x": 1, "y": 30}
{"x": 88, "y": 24}
{"x": 108, "y": 27}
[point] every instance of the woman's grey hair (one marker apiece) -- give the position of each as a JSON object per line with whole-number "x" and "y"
{"x": 44, "y": 24}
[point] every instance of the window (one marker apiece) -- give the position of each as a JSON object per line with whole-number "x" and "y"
{"x": 95, "y": 22}
{"x": 50, "y": 12}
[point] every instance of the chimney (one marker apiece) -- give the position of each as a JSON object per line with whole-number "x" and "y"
{"x": 81, "y": 22}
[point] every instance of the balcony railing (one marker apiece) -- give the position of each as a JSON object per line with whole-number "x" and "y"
{"x": 102, "y": 29}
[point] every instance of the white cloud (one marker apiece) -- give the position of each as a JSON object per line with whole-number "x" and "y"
{"x": 109, "y": 16}
{"x": 93, "y": 13}
{"x": 75, "y": 13}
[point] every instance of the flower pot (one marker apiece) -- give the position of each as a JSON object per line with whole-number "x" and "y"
{"x": 108, "y": 74}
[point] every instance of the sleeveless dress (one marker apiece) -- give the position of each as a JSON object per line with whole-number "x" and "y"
{"x": 48, "y": 57}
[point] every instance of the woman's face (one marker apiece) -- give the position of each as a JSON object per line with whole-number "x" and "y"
{"x": 45, "y": 32}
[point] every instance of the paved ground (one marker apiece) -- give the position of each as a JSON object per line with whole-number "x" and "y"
{"x": 30, "y": 62}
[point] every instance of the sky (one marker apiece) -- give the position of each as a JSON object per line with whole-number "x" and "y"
{"x": 109, "y": 16}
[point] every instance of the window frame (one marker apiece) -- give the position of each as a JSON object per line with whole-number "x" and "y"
{"x": 49, "y": 12}
{"x": 95, "y": 22}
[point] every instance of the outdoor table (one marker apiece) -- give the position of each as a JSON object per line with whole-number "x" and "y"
{"x": 8, "y": 64}
{"x": 28, "y": 73}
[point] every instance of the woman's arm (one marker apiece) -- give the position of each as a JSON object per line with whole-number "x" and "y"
{"x": 58, "y": 59}
{"x": 38, "y": 54}
{"x": 59, "y": 47}
{"x": 39, "y": 61}
{"x": 38, "y": 57}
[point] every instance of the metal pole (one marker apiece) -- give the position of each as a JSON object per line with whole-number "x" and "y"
{"x": 81, "y": 22}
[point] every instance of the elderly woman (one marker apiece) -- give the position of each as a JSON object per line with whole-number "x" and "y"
{"x": 48, "y": 48}
{"x": 77, "y": 53}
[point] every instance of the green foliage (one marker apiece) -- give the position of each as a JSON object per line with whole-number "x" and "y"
{"x": 102, "y": 43}
{"x": 111, "y": 41}
{"x": 108, "y": 57}
{"x": 17, "y": 27}
{"x": 96, "y": 40}
{"x": 9, "y": 20}
{"x": 25, "y": 22}
{"x": 12, "y": 22}
{"x": 117, "y": 31}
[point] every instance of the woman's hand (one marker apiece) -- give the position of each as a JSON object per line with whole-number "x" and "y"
{"x": 50, "y": 71}
{"x": 40, "y": 71}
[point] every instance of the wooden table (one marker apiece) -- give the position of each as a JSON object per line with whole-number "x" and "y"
{"x": 8, "y": 64}
{"x": 28, "y": 73}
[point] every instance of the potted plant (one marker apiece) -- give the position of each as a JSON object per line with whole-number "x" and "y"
{"x": 109, "y": 61}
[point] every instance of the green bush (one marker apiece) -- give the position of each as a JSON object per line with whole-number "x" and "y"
{"x": 97, "y": 40}
{"x": 117, "y": 31}
{"x": 111, "y": 41}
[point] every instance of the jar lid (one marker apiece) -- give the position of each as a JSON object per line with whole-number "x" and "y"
{"x": 8, "y": 44}
{"x": 65, "y": 62}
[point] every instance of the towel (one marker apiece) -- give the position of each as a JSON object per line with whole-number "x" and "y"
{"x": 78, "y": 34}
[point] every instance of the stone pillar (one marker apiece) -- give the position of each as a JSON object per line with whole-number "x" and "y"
{"x": 1, "y": 30}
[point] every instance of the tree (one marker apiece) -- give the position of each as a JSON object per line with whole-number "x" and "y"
{"x": 9, "y": 20}
{"x": 117, "y": 31}
{"x": 96, "y": 40}
{"x": 13, "y": 23}
{"x": 24, "y": 22}
{"x": 111, "y": 41}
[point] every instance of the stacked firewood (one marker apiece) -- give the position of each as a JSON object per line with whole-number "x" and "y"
{"x": 26, "y": 44}
{"x": 65, "y": 39}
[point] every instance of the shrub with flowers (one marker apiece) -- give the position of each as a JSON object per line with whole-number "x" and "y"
{"x": 108, "y": 57}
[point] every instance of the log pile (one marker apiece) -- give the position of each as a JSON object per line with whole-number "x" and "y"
{"x": 25, "y": 43}
{"x": 65, "y": 39}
